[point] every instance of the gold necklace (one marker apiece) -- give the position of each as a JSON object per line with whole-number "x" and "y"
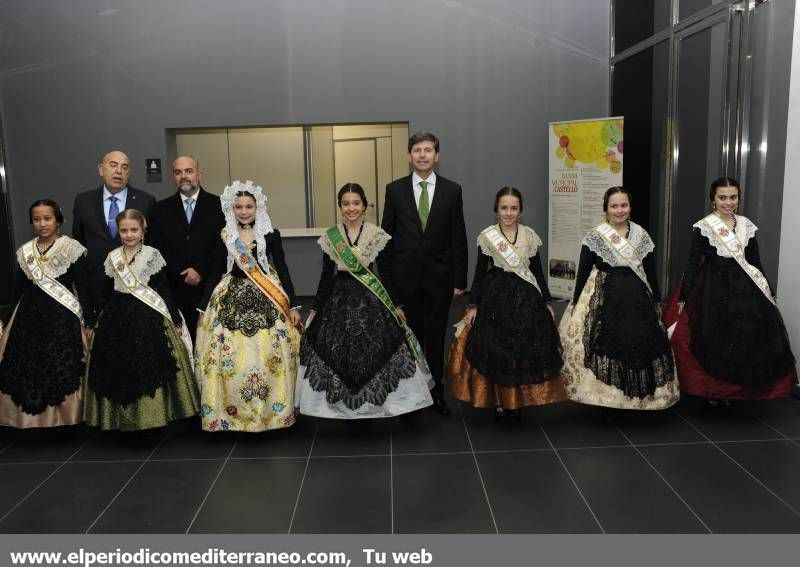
{"x": 43, "y": 253}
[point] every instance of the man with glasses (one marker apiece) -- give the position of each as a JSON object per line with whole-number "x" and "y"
{"x": 95, "y": 211}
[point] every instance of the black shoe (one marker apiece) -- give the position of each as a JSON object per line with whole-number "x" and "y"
{"x": 440, "y": 406}
{"x": 500, "y": 414}
{"x": 513, "y": 416}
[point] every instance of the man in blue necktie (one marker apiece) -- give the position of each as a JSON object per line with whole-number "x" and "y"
{"x": 94, "y": 214}
{"x": 185, "y": 227}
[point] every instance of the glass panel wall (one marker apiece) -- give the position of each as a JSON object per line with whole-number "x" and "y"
{"x": 700, "y": 117}
{"x": 766, "y": 136}
{"x": 688, "y": 8}
{"x": 636, "y": 20}
{"x": 726, "y": 98}
{"x": 646, "y": 112}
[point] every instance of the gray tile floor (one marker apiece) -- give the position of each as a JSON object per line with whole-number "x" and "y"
{"x": 566, "y": 468}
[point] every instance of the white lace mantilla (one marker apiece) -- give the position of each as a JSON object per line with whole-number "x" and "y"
{"x": 57, "y": 260}
{"x": 372, "y": 241}
{"x": 743, "y": 236}
{"x": 638, "y": 238}
{"x": 147, "y": 263}
{"x": 263, "y": 224}
{"x": 528, "y": 244}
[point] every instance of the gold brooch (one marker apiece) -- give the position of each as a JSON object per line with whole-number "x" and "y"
{"x": 724, "y": 232}
{"x": 502, "y": 247}
{"x": 615, "y": 239}
{"x": 120, "y": 265}
{"x": 340, "y": 247}
{"x": 30, "y": 260}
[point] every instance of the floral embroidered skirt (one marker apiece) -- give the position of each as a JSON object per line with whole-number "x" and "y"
{"x": 246, "y": 360}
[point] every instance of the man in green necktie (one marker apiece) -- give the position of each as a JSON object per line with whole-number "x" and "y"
{"x": 424, "y": 204}
{"x": 424, "y": 265}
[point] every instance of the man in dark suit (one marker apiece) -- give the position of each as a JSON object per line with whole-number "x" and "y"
{"x": 94, "y": 213}
{"x": 185, "y": 227}
{"x": 424, "y": 265}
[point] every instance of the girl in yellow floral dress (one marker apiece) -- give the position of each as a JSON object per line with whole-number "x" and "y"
{"x": 247, "y": 341}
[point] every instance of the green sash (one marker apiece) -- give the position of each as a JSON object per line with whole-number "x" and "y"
{"x": 372, "y": 283}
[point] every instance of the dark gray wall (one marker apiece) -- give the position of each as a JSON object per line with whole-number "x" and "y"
{"x": 82, "y": 77}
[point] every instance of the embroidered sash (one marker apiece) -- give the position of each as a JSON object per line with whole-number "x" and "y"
{"x": 264, "y": 281}
{"x": 373, "y": 284}
{"x": 624, "y": 250}
{"x": 508, "y": 253}
{"x": 35, "y": 271}
{"x": 139, "y": 290}
{"x": 728, "y": 239}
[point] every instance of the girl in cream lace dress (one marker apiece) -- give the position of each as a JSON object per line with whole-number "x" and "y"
{"x": 616, "y": 350}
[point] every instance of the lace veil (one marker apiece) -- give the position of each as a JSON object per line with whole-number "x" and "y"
{"x": 262, "y": 227}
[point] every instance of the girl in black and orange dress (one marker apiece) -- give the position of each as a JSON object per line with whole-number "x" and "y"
{"x": 507, "y": 352}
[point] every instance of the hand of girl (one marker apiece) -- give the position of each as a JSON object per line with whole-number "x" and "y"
{"x": 470, "y": 315}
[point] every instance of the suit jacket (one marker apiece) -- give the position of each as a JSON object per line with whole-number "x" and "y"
{"x": 185, "y": 244}
{"x": 438, "y": 255}
{"x": 89, "y": 227}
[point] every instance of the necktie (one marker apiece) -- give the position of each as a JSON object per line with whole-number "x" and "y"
{"x": 113, "y": 211}
{"x": 189, "y": 209}
{"x": 424, "y": 205}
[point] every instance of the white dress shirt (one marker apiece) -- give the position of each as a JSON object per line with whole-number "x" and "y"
{"x": 415, "y": 179}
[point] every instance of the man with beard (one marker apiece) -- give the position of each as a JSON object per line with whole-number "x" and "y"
{"x": 94, "y": 214}
{"x": 185, "y": 228}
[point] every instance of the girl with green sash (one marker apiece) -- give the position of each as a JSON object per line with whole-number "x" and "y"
{"x": 139, "y": 373}
{"x": 358, "y": 357}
